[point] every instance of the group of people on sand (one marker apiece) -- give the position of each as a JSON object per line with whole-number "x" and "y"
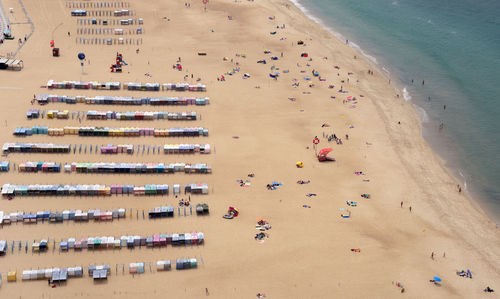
{"x": 466, "y": 274}
{"x": 262, "y": 226}
{"x": 338, "y": 140}
{"x": 273, "y": 186}
{"x": 184, "y": 203}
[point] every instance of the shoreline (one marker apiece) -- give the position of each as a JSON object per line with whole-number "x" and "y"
{"x": 476, "y": 196}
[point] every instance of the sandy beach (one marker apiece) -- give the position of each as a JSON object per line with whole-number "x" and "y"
{"x": 258, "y": 125}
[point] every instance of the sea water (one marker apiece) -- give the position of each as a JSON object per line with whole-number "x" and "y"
{"x": 454, "y": 46}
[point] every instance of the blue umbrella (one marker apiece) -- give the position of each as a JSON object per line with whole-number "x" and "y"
{"x": 437, "y": 278}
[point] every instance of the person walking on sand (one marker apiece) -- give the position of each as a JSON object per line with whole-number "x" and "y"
{"x": 432, "y": 255}
{"x": 401, "y": 204}
{"x": 410, "y": 209}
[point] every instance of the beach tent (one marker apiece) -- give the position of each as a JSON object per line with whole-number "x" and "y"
{"x": 11, "y": 64}
{"x": 322, "y": 155}
{"x": 202, "y": 209}
{"x": 182, "y": 264}
{"x": 11, "y": 276}
{"x": 136, "y": 268}
{"x": 163, "y": 265}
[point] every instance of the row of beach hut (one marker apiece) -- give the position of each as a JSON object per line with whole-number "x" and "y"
{"x": 44, "y": 99}
{"x": 96, "y": 272}
{"x": 10, "y": 64}
{"x": 108, "y": 41}
{"x": 96, "y": 4}
{"x": 168, "y": 149}
{"x": 109, "y": 31}
{"x": 110, "y": 242}
{"x": 35, "y": 148}
{"x": 106, "y": 242}
{"x": 33, "y": 113}
{"x": 117, "y": 149}
{"x": 89, "y": 215}
{"x": 99, "y": 272}
{"x": 164, "y": 86}
{"x": 9, "y": 190}
{"x": 54, "y": 274}
{"x": 110, "y": 13}
{"x": 51, "y": 84}
{"x": 105, "y": 22}
{"x": 108, "y": 149}
{"x": 39, "y": 166}
{"x": 59, "y": 217}
{"x": 103, "y": 167}
{"x": 58, "y": 114}
{"x": 51, "y": 114}
{"x": 141, "y": 115}
{"x": 186, "y": 148}
{"x": 112, "y": 132}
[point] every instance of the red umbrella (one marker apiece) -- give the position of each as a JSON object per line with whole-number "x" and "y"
{"x": 325, "y": 151}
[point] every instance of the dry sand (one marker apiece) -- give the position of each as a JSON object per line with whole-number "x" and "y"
{"x": 308, "y": 252}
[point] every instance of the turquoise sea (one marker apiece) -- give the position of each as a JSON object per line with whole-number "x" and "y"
{"x": 455, "y": 47}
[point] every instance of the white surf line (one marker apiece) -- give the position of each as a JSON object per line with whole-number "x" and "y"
{"x": 465, "y": 181}
{"x": 9, "y": 87}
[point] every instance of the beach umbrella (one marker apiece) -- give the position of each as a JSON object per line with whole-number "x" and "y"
{"x": 81, "y": 56}
{"x": 437, "y": 278}
{"x": 325, "y": 151}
